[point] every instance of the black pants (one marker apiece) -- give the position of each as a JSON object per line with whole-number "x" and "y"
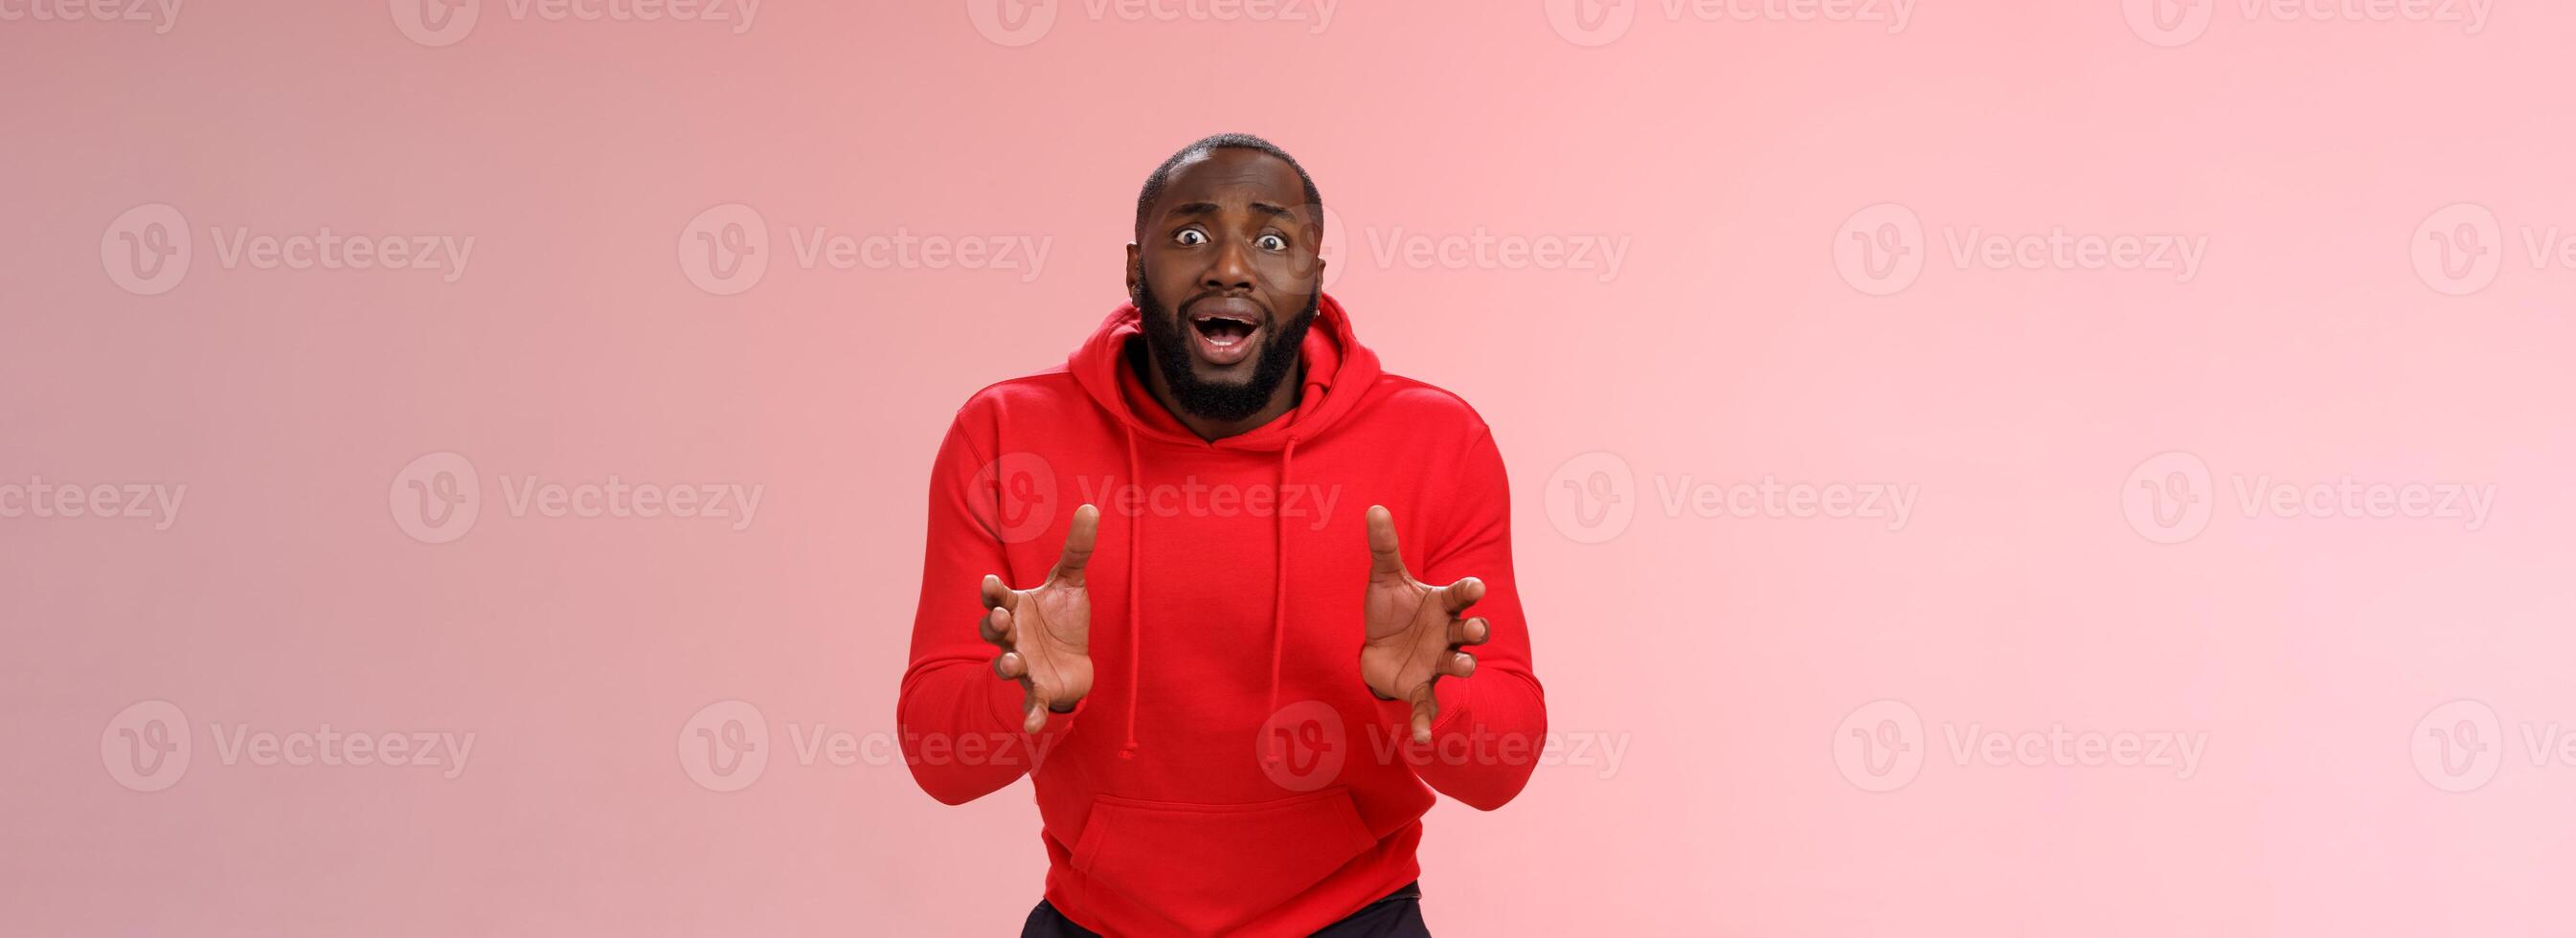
{"x": 1399, "y": 915}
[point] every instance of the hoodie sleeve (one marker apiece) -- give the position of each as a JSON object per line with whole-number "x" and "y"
{"x": 959, "y": 721}
{"x": 1493, "y": 724}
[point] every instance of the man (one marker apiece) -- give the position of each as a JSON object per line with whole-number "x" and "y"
{"x": 1234, "y": 731}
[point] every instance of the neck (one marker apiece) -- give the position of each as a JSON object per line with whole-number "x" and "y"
{"x": 1282, "y": 400}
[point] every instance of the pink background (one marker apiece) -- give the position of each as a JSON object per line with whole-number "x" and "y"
{"x": 2028, "y": 588}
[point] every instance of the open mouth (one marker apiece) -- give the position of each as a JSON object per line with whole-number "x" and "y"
{"x": 1224, "y": 328}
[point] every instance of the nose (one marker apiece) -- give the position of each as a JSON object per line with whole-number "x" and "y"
{"x": 1230, "y": 270}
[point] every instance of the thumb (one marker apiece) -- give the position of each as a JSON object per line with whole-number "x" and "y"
{"x": 1077, "y": 545}
{"x": 1385, "y": 556}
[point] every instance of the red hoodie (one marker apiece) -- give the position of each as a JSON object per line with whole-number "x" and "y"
{"x": 1229, "y": 771}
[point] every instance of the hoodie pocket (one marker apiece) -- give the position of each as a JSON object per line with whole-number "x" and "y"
{"x": 1211, "y": 867}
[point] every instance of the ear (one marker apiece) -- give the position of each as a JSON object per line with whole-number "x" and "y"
{"x": 1135, "y": 274}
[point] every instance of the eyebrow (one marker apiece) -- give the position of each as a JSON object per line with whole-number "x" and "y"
{"x": 1187, "y": 209}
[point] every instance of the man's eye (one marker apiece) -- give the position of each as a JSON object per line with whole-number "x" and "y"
{"x": 1191, "y": 236}
{"x": 1272, "y": 242}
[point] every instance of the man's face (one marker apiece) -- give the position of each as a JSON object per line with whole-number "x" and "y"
{"x": 1226, "y": 275}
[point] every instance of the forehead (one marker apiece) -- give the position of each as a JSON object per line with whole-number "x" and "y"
{"x": 1232, "y": 177}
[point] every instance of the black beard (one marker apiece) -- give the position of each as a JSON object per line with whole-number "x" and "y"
{"x": 1169, "y": 339}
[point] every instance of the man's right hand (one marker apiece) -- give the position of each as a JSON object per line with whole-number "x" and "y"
{"x": 1045, "y": 633}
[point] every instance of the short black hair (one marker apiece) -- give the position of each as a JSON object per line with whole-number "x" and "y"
{"x": 1163, "y": 174}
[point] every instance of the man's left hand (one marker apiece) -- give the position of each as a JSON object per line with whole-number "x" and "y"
{"x": 1414, "y": 629}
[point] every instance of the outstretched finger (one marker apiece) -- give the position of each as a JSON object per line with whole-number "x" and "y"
{"x": 1459, "y": 664}
{"x": 996, "y": 627}
{"x": 1425, "y": 706}
{"x": 998, "y": 595}
{"x": 1033, "y": 709}
{"x": 1456, "y": 597}
{"x": 1385, "y": 555}
{"x": 1077, "y": 545}
{"x": 1473, "y": 631}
